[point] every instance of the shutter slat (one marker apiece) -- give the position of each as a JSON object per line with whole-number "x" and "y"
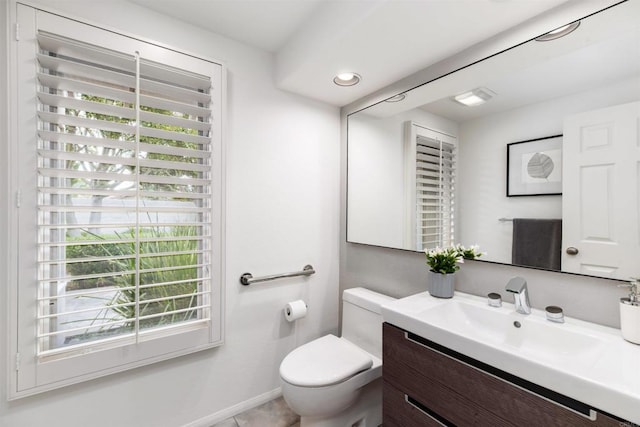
{"x": 147, "y": 209}
{"x": 131, "y": 193}
{"x": 62, "y": 119}
{"x": 105, "y": 176}
{"x": 177, "y": 136}
{"x": 85, "y": 72}
{"x": 86, "y": 310}
{"x": 169, "y": 313}
{"x": 67, "y": 84}
{"x": 178, "y": 107}
{"x": 121, "y": 178}
{"x": 84, "y": 141}
{"x": 162, "y": 72}
{"x": 170, "y": 165}
{"x": 84, "y": 157}
{"x": 202, "y": 279}
{"x": 175, "y": 93}
{"x": 120, "y": 257}
{"x": 80, "y": 140}
{"x": 170, "y": 120}
{"x": 84, "y": 293}
{"x": 170, "y": 268}
{"x": 175, "y": 151}
{"x": 173, "y": 297}
{"x": 150, "y": 179}
{"x": 119, "y": 241}
{"x": 89, "y": 276}
{"x": 84, "y": 105}
{"x": 118, "y": 226}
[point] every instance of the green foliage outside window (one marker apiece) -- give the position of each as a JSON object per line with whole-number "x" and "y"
{"x": 168, "y": 279}
{"x": 167, "y": 283}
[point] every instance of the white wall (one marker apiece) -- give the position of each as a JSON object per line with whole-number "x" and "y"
{"x": 283, "y": 190}
{"x": 402, "y": 273}
{"x": 483, "y": 158}
{"x": 376, "y": 206}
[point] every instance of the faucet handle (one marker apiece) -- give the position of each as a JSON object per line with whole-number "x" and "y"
{"x": 554, "y": 314}
{"x": 494, "y": 299}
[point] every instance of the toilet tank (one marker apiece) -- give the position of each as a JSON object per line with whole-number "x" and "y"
{"x": 362, "y": 318}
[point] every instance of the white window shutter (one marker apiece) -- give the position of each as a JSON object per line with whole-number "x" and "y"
{"x": 127, "y": 192}
{"x": 430, "y": 187}
{"x": 435, "y": 192}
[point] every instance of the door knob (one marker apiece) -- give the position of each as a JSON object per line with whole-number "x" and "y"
{"x": 572, "y": 251}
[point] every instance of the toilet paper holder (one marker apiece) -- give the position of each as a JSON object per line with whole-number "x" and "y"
{"x": 247, "y": 278}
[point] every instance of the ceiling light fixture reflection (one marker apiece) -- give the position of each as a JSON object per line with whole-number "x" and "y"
{"x": 397, "y": 98}
{"x": 347, "y": 79}
{"x": 474, "y": 97}
{"x": 558, "y": 32}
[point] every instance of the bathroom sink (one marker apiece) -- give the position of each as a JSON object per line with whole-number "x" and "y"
{"x": 533, "y": 335}
{"x": 585, "y": 361}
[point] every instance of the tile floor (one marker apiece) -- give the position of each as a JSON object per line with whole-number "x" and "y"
{"x": 275, "y": 413}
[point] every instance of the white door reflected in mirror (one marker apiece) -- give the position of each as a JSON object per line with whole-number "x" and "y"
{"x": 600, "y": 191}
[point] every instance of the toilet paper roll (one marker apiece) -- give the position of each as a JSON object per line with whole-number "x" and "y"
{"x": 295, "y": 310}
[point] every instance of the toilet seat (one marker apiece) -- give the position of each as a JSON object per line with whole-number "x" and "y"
{"x": 325, "y": 361}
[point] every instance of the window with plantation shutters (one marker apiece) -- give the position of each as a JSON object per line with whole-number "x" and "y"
{"x": 431, "y": 180}
{"x": 121, "y": 260}
{"x": 435, "y": 190}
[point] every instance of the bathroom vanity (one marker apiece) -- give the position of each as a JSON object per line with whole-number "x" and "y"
{"x": 460, "y": 362}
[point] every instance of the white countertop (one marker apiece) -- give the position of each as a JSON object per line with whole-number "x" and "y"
{"x": 601, "y": 369}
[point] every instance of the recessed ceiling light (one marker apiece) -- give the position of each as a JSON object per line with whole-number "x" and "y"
{"x": 399, "y": 97}
{"x": 558, "y": 32}
{"x": 347, "y": 79}
{"x": 474, "y": 97}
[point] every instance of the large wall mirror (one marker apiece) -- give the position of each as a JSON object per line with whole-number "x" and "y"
{"x": 541, "y": 169}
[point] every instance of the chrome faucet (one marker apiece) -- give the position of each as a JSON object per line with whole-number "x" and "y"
{"x": 518, "y": 287}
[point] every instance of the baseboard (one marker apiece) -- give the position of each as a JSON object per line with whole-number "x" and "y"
{"x": 222, "y": 415}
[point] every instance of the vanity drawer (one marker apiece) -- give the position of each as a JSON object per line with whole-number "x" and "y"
{"x": 466, "y": 395}
{"x": 429, "y": 403}
{"x": 399, "y": 411}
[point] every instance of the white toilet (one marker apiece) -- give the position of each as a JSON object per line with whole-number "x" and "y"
{"x": 336, "y": 382}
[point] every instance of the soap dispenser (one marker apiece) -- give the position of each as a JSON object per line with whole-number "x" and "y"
{"x": 630, "y": 313}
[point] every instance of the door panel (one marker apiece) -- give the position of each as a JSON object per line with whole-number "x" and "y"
{"x": 601, "y": 187}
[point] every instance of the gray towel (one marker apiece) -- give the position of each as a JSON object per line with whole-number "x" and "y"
{"x": 537, "y": 243}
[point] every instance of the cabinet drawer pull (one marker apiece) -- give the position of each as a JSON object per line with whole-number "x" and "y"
{"x": 428, "y": 412}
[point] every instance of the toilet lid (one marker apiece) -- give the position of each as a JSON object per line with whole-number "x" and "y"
{"x": 324, "y": 361}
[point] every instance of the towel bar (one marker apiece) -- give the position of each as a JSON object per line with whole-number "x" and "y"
{"x": 247, "y": 278}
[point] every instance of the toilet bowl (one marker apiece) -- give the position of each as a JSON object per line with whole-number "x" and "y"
{"x": 336, "y": 381}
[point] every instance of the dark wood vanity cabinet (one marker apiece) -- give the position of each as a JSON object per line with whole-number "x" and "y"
{"x": 428, "y": 385}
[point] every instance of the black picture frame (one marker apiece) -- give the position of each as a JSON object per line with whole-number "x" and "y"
{"x": 534, "y": 167}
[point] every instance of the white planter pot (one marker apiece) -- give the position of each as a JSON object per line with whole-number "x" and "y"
{"x": 440, "y": 285}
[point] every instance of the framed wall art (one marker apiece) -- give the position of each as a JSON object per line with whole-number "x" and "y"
{"x": 534, "y": 167}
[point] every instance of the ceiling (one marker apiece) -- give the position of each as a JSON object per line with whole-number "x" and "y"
{"x": 382, "y": 40}
{"x": 604, "y": 50}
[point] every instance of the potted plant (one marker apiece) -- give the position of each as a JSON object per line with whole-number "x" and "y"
{"x": 443, "y": 263}
{"x": 472, "y": 252}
